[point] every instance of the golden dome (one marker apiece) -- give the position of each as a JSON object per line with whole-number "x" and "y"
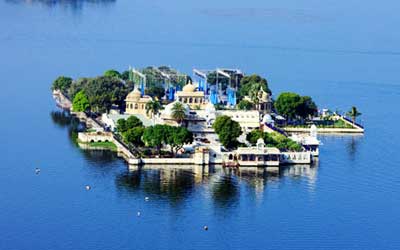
{"x": 134, "y": 95}
{"x": 189, "y": 87}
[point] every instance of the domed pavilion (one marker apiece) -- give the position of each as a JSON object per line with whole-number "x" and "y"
{"x": 136, "y": 103}
{"x": 192, "y": 97}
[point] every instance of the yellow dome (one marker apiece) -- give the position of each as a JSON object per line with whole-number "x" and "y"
{"x": 134, "y": 95}
{"x": 189, "y": 87}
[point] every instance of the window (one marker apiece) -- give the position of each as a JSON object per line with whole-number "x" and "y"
{"x": 252, "y": 157}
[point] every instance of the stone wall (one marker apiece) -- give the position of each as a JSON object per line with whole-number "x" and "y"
{"x": 295, "y": 158}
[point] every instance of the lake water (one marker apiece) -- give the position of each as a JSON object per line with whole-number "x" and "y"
{"x": 341, "y": 53}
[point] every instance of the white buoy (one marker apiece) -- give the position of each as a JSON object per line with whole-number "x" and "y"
{"x": 205, "y": 228}
{"x": 88, "y": 187}
{"x": 138, "y": 214}
{"x": 146, "y": 198}
{"x": 37, "y": 170}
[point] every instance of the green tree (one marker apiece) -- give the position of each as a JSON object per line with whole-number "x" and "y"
{"x": 133, "y": 122}
{"x": 228, "y": 131}
{"x": 245, "y": 105}
{"x": 307, "y": 107}
{"x": 121, "y": 125}
{"x": 254, "y": 135}
{"x": 284, "y": 143}
{"x": 273, "y": 140}
{"x": 292, "y": 105}
{"x": 252, "y": 83}
{"x": 63, "y": 84}
{"x": 102, "y": 92}
{"x": 152, "y": 108}
{"x": 177, "y": 137}
{"x": 125, "y": 75}
{"x": 80, "y": 102}
{"x": 287, "y": 104}
{"x": 155, "y": 136}
{"x": 155, "y": 91}
{"x": 134, "y": 136}
{"x": 178, "y": 112}
{"x": 112, "y": 73}
{"x": 353, "y": 113}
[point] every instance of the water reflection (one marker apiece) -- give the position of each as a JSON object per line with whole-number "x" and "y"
{"x": 225, "y": 189}
{"x": 352, "y": 146}
{"x": 172, "y": 184}
{"x": 63, "y": 119}
{"x": 223, "y": 185}
{"x": 75, "y": 5}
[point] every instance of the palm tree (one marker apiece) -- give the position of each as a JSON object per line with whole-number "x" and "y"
{"x": 152, "y": 108}
{"x": 353, "y": 113}
{"x": 254, "y": 93}
{"x": 178, "y": 112}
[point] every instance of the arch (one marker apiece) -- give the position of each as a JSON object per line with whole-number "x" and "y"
{"x": 230, "y": 157}
{"x": 136, "y": 106}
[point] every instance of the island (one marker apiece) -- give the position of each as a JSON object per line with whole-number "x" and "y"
{"x": 158, "y": 115}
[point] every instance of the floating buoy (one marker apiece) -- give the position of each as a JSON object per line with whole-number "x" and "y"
{"x": 138, "y": 214}
{"x": 37, "y": 170}
{"x": 205, "y": 228}
{"x": 146, "y": 198}
{"x": 88, "y": 187}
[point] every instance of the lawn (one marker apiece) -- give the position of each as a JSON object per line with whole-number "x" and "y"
{"x": 105, "y": 145}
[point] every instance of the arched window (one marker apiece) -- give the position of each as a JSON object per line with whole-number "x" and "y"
{"x": 190, "y": 100}
{"x": 136, "y": 106}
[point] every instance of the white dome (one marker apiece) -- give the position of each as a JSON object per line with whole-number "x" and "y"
{"x": 167, "y": 112}
{"x": 268, "y": 119}
{"x": 313, "y": 131}
{"x": 210, "y": 108}
{"x": 260, "y": 141}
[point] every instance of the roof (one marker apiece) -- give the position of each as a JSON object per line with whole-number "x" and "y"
{"x": 146, "y": 121}
{"x": 189, "y": 87}
{"x": 255, "y": 150}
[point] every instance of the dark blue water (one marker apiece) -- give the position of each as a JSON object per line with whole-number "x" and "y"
{"x": 341, "y": 53}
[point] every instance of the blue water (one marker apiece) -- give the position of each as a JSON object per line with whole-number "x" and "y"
{"x": 341, "y": 53}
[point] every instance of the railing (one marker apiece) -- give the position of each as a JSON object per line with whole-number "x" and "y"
{"x": 354, "y": 123}
{"x": 280, "y": 131}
